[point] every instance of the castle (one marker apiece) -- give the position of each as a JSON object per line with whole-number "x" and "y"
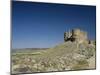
{"x": 76, "y": 35}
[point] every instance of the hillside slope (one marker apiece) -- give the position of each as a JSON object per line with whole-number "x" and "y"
{"x": 65, "y": 56}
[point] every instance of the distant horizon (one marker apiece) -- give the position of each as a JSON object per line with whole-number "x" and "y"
{"x": 28, "y": 48}
{"x": 42, "y": 25}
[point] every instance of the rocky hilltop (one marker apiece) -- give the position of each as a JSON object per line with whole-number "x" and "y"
{"x": 76, "y": 53}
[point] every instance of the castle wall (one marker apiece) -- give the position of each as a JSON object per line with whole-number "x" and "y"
{"x": 76, "y": 35}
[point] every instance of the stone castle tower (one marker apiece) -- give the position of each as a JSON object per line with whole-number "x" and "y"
{"x": 76, "y": 35}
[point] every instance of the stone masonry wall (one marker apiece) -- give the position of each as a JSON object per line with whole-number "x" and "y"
{"x": 76, "y": 35}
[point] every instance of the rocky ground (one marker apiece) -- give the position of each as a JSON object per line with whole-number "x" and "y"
{"x": 66, "y": 56}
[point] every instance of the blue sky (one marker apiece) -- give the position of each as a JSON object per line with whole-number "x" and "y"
{"x": 42, "y": 25}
